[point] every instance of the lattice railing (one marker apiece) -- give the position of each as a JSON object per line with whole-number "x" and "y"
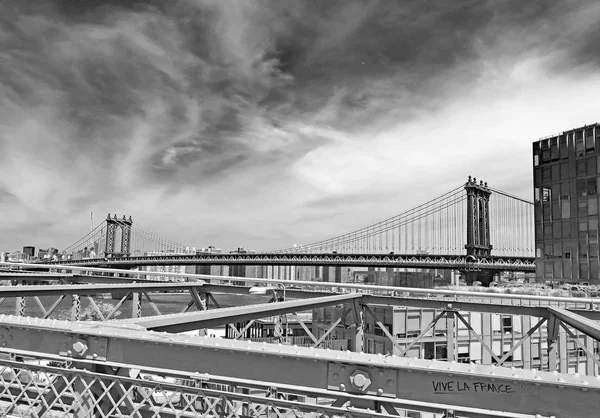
{"x": 60, "y": 390}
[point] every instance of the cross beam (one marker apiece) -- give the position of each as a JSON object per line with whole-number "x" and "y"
{"x": 580, "y": 323}
{"x": 210, "y": 318}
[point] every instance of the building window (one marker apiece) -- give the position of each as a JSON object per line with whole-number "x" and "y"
{"x": 591, "y": 188}
{"x": 507, "y": 324}
{"x": 464, "y": 358}
{"x": 546, "y": 194}
{"x": 581, "y": 188}
{"x": 582, "y": 209}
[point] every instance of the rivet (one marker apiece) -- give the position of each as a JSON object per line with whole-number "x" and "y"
{"x": 390, "y": 382}
{"x": 380, "y": 391}
{"x": 336, "y": 376}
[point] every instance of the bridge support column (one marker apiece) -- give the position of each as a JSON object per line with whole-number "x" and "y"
{"x": 371, "y": 274}
{"x": 451, "y": 336}
{"x": 359, "y": 334}
{"x": 75, "y": 307}
{"x": 136, "y": 306}
{"x": 325, "y": 275}
{"x": 485, "y": 277}
{"x": 20, "y": 306}
{"x": 338, "y": 274}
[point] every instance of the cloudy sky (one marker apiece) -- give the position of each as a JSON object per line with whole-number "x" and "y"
{"x": 269, "y": 123}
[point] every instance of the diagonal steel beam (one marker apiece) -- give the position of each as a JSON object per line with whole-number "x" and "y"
{"x": 383, "y": 328}
{"x": 477, "y": 336}
{"x": 241, "y": 332}
{"x": 209, "y": 318}
{"x": 422, "y": 334}
{"x": 581, "y": 345}
{"x": 54, "y": 306}
{"x": 580, "y": 323}
{"x": 332, "y": 327}
{"x": 521, "y": 341}
{"x": 303, "y": 325}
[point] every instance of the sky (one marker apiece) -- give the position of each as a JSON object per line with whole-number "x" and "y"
{"x": 271, "y": 123}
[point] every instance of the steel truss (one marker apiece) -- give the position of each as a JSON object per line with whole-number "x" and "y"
{"x": 457, "y": 262}
{"x": 511, "y": 391}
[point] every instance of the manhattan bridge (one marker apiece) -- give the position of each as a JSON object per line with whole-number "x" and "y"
{"x": 305, "y": 347}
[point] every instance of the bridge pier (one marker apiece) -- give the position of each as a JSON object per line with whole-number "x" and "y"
{"x": 485, "y": 277}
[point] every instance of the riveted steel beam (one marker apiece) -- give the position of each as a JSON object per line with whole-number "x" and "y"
{"x": 210, "y": 318}
{"x": 92, "y": 289}
{"x": 495, "y": 388}
{"x": 580, "y": 323}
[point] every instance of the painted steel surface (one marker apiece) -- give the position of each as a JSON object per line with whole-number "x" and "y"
{"x": 389, "y": 377}
{"x": 581, "y": 323}
{"x": 194, "y": 320}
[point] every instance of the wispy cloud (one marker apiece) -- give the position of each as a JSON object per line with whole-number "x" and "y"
{"x": 273, "y": 122}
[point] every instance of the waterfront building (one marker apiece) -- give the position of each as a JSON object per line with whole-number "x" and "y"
{"x": 566, "y": 179}
{"x": 29, "y": 252}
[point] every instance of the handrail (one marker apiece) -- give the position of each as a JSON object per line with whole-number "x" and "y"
{"x": 318, "y": 284}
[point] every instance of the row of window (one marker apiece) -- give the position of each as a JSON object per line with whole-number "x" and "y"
{"x": 559, "y": 249}
{"x": 576, "y": 143}
{"x": 567, "y": 169}
{"x": 568, "y": 270}
{"x": 585, "y": 230}
{"x": 562, "y": 191}
{"x": 566, "y": 209}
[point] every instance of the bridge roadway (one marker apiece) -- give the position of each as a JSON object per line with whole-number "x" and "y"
{"x": 454, "y": 262}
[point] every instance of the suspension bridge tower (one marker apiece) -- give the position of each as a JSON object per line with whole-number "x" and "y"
{"x": 113, "y": 227}
{"x": 478, "y": 228}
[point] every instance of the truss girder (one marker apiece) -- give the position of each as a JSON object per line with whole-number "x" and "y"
{"x": 92, "y": 289}
{"x": 476, "y": 386}
{"x": 500, "y": 263}
{"x": 210, "y": 318}
{"x": 420, "y": 299}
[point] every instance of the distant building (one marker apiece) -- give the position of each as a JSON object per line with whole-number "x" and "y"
{"x": 43, "y": 254}
{"x": 566, "y": 178}
{"x": 169, "y": 269}
{"x": 29, "y": 252}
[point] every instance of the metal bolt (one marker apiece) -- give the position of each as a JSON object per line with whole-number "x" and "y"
{"x": 342, "y": 386}
{"x": 336, "y": 376}
{"x": 360, "y": 379}
{"x": 80, "y": 348}
{"x": 390, "y": 382}
{"x": 380, "y": 391}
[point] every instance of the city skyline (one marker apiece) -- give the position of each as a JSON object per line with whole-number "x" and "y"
{"x": 265, "y": 124}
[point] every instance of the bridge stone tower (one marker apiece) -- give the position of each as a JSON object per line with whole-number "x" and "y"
{"x": 112, "y": 225}
{"x": 478, "y": 218}
{"x": 478, "y": 229}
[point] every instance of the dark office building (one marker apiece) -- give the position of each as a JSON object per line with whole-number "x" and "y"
{"x": 29, "y": 251}
{"x": 566, "y": 180}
